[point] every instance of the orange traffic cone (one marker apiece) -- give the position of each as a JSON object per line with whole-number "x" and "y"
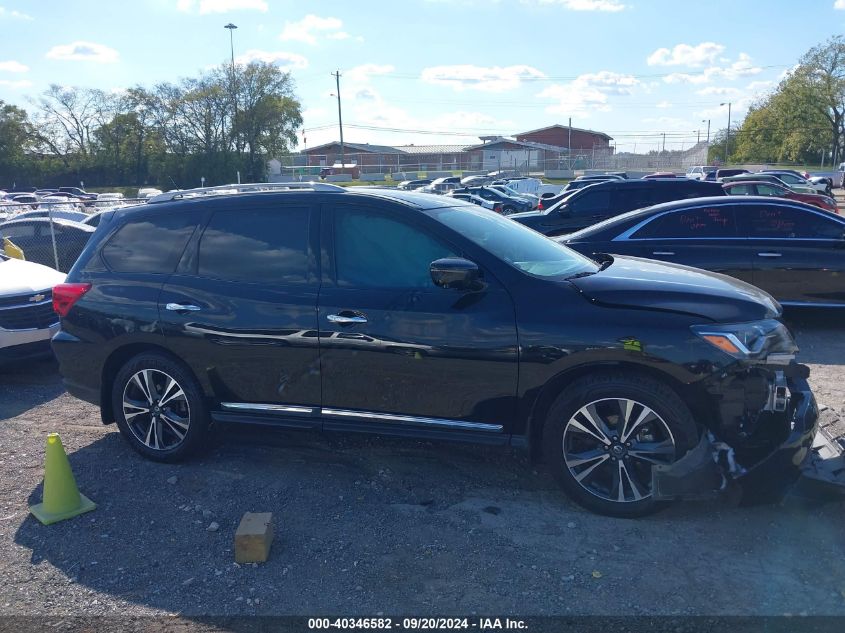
{"x": 62, "y": 499}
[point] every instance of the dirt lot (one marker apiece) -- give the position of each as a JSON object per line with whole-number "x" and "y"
{"x": 376, "y": 525}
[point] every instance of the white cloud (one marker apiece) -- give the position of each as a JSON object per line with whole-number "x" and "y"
{"x": 719, "y": 91}
{"x": 19, "y": 84}
{"x": 84, "y": 51}
{"x": 482, "y": 78}
{"x": 13, "y": 67}
{"x": 11, "y": 14}
{"x": 204, "y": 7}
{"x": 363, "y": 72}
{"x": 839, "y": 4}
{"x": 308, "y": 28}
{"x": 761, "y": 86}
{"x": 611, "y": 6}
{"x": 588, "y": 92}
{"x": 663, "y": 105}
{"x": 283, "y": 59}
{"x": 742, "y": 67}
{"x": 686, "y": 55}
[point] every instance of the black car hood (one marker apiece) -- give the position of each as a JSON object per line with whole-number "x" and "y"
{"x": 636, "y": 282}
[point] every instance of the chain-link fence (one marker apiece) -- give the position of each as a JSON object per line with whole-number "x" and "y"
{"x": 51, "y": 233}
{"x": 388, "y": 164}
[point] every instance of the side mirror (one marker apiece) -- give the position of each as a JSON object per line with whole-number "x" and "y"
{"x": 454, "y": 272}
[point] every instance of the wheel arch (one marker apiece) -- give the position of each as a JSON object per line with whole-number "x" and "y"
{"x": 691, "y": 394}
{"x": 115, "y": 361}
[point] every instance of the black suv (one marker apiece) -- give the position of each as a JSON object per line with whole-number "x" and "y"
{"x": 400, "y": 313}
{"x": 597, "y": 202}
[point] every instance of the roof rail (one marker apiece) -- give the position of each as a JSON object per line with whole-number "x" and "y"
{"x": 250, "y": 187}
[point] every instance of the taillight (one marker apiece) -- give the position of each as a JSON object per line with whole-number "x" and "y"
{"x": 65, "y": 295}
{"x": 497, "y": 208}
{"x": 540, "y": 206}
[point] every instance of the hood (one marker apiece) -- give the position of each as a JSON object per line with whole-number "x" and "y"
{"x": 18, "y": 277}
{"x": 634, "y": 282}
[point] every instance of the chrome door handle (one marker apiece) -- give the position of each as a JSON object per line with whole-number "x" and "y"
{"x": 343, "y": 320}
{"x": 768, "y": 254}
{"x": 663, "y": 253}
{"x": 182, "y": 307}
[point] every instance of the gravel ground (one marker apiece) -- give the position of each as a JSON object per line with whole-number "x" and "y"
{"x": 368, "y": 525}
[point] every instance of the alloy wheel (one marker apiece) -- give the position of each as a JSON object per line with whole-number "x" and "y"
{"x": 156, "y": 409}
{"x": 611, "y": 445}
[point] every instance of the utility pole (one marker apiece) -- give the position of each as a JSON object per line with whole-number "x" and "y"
{"x": 698, "y": 137}
{"x": 569, "y": 144}
{"x": 339, "y": 119}
{"x": 728, "y": 133}
{"x": 708, "y": 130}
{"x": 663, "y": 148}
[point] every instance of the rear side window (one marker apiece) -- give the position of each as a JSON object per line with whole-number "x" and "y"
{"x": 151, "y": 244}
{"x": 630, "y": 198}
{"x": 790, "y": 179}
{"x": 259, "y": 246}
{"x": 743, "y": 190}
{"x": 769, "y": 190}
{"x": 789, "y": 222}
{"x": 691, "y": 223}
{"x": 590, "y": 202}
{"x": 18, "y": 230}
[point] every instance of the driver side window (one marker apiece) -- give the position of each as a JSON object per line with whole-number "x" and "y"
{"x": 373, "y": 250}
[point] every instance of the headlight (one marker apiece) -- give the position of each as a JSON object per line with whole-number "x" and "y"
{"x": 752, "y": 340}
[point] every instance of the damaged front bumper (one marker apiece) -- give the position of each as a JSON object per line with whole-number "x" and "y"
{"x": 715, "y": 466}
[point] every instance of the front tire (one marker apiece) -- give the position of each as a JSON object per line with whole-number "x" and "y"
{"x": 604, "y": 433}
{"x": 508, "y": 210}
{"x": 159, "y": 408}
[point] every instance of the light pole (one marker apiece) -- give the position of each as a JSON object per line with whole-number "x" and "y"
{"x": 339, "y": 120}
{"x": 707, "y": 121}
{"x": 728, "y": 133}
{"x": 231, "y": 27}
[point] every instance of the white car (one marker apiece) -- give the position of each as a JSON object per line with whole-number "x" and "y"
{"x": 148, "y": 192}
{"x": 699, "y": 172}
{"x": 27, "y": 320}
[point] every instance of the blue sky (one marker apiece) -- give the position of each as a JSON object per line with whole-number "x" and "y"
{"x": 439, "y": 71}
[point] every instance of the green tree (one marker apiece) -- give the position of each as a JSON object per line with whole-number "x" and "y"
{"x": 268, "y": 116}
{"x": 803, "y": 117}
{"x": 16, "y": 139}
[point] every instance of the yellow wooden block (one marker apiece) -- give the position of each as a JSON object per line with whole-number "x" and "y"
{"x": 254, "y": 537}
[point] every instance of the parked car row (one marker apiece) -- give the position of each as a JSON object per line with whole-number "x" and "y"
{"x": 507, "y": 195}
{"x": 762, "y": 187}
{"x": 788, "y": 177}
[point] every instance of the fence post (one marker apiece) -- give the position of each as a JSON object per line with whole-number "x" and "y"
{"x": 53, "y": 236}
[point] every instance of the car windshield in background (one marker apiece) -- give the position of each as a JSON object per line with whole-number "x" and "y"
{"x": 519, "y": 246}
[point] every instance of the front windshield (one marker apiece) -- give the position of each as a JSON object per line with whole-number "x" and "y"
{"x": 514, "y": 243}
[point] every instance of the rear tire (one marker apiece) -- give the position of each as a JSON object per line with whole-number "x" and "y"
{"x": 604, "y": 433}
{"x": 507, "y": 210}
{"x": 159, "y": 408}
